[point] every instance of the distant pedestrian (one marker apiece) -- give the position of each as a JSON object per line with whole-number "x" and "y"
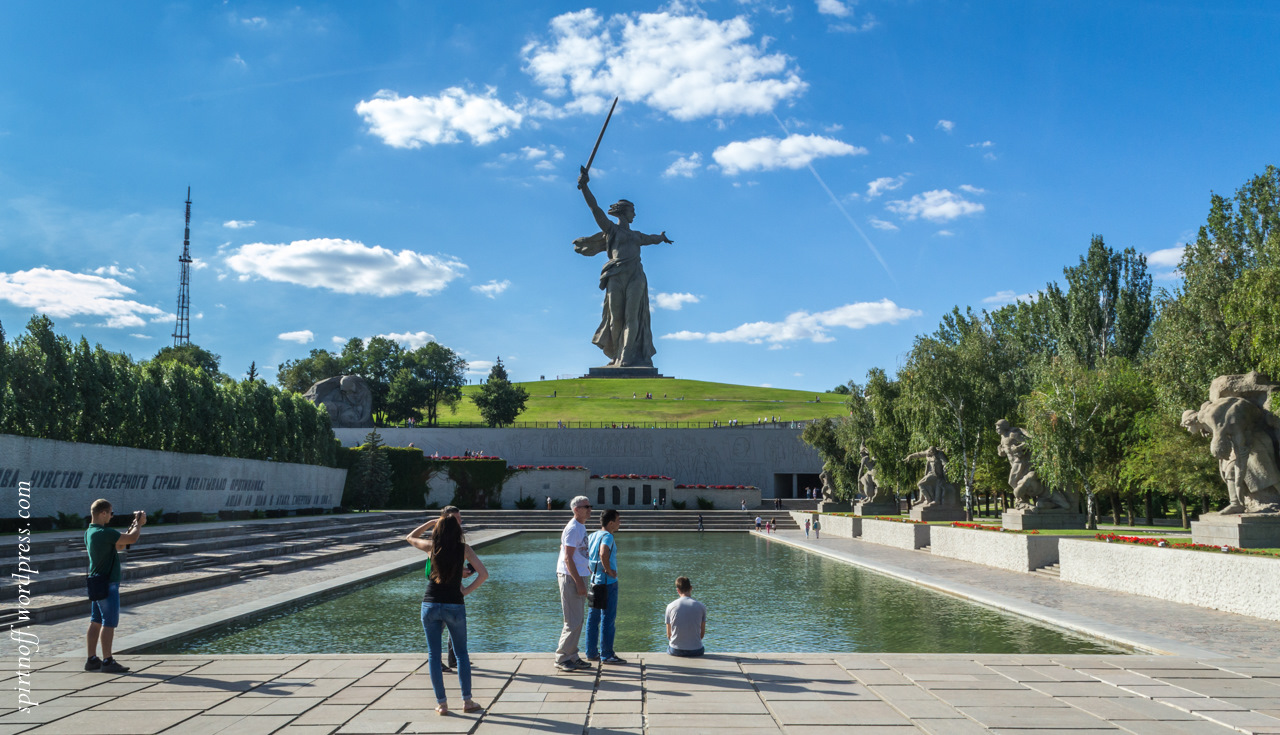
{"x": 806, "y": 528}
{"x": 548, "y": 502}
{"x": 743, "y": 501}
{"x": 817, "y": 528}
{"x": 655, "y": 503}
{"x": 699, "y": 521}
{"x": 686, "y": 622}
{"x": 759, "y": 522}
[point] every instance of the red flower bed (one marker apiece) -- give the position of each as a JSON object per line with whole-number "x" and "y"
{"x": 895, "y": 519}
{"x": 715, "y": 487}
{"x": 544, "y": 467}
{"x": 1143, "y": 541}
{"x": 466, "y": 459}
{"x": 630, "y": 477}
{"x": 980, "y": 527}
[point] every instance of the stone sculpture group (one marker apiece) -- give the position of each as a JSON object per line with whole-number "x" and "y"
{"x": 1244, "y": 436}
{"x": 1029, "y": 494}
{"x": 938, "y": 499}
{"x": 348, "y": 400}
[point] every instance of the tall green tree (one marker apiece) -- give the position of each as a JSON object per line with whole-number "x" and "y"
{"x": 373, "y": 474}
{"x": 498, "y": 400}
{"x": 192, "y": 356}
{"x": 1167, "y": 458}
{"x": 890, "y": 437}
{"x": 1106, "y": 310}
{"x": 443, "y": 374}
{"x": 300, "y": 374}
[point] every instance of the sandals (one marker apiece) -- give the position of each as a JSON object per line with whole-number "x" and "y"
{"x": 473, "y": 707}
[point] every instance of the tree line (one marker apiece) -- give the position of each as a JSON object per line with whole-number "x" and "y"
{"x": 178, "y": 401}
{"x": 1097, "y": 369}
{"x": 408, "y": 384}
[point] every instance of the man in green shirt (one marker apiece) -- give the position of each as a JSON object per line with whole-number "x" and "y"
{"x": 104, "y": 545}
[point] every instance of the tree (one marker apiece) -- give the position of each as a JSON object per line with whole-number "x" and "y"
{"x": 498, "y": 400}
{"x": 1168, "y": 458}
{"x": 952, "y": 380}
{"x": 1219, "y": 319}
{"x": 890, "y": 437}
{"x": 372, "y": 474}
{"x": 1080, "y": 421}
{"x": 193, "y": 356}
{"x": 253, "y": 371}
{"x": 826, "y": 437}
{"x": 299, "y": 375}
{"x": 443, "y": 374}
{"x": 1106, "y": 310}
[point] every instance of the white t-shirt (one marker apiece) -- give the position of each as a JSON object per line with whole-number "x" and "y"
{"x": 574, "y": 535}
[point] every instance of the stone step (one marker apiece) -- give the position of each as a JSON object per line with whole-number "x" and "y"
{"x": 1052, "y": 570}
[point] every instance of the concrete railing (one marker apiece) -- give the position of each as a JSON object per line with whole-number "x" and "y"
{"x": 1247, "y": 585}
{"x": 1019, "y": 552}
{"x": 896, "y": 534}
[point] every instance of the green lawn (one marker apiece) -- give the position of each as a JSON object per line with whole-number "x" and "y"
{"x": 610, "y": 401}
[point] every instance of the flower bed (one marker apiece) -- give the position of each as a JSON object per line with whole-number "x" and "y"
{"x": 1234, "y": 582}
{"x": 994, "y": 547}
{"x": 630, "y": 477}
{"x": 1165, "y": 543}
{"x": 712, "y": 487}
{"x": 897, "y": 532}
{"x": 544, "y": 467}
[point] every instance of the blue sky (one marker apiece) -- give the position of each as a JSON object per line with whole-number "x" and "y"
{"x": 835, "y": 175}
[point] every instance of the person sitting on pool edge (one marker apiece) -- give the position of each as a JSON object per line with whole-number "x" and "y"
{"x": 686, "y": 622}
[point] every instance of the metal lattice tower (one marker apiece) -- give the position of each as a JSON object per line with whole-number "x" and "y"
{"x": 182, "y": 332}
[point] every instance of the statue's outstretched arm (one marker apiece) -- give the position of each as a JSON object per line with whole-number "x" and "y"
{"x": 596, "y": 212}
{"x": 916, "y": 455}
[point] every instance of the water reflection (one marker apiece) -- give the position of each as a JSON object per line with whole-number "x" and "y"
{"x": 762, "y": 597}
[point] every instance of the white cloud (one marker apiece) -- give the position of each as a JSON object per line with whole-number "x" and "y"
{"x": 199, "y": 264}
{"x": 412, "y": 340}
{"x": 972, "y": 189}
{"x": 346, "y": 266}
{"x": 911, "y": 139}
{"x": 674, "y": 301}
{"x": 685, "y": 166}
{"x": 946, "y": 233}
{"x": 255, "y": 22}
{"x": 946, "y": 125}
{"x": 112, "y": 271}
{"x": 408, "y": 122}
{"x": 301, "y": 337}
{"x": 492, "y": 288}
{"x": 766, "y": 154}
{"x": 680, "y": 63}
{"x": 834, "y": 7}
{"x": 479, "y": 367}
{"x": 61, "y": 294}
{"x": 883, "y": 184}
{"x": 140, "y": 336}
{"x": 238, "y": 224}
{"x": 239, "y": 62}
{"x": 868, "y": 22}
{"x": 1008, "y": 297}
{"x": 339, "y": 341}
{"x": 880, "y": 224}
{"x": 802, "y": 325}
{"x": 983, "y": 144}
{"x": 939, "y": 205}
{"x": 1166, "y": 258}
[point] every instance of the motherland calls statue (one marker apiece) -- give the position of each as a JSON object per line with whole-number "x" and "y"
{"x": 624, "y": 333}
{"x": 348, "y": 400}
{"x": 1245, "y": 438}
{"x": 1029, "y": 494}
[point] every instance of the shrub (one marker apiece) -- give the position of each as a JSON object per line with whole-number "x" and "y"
{"x": 680, "y": 504}
{"x": 558, "y": 504}
{"x": 703, "y": 504}
{"x": 524, "y": 503}
{"x": 70, "y": 520}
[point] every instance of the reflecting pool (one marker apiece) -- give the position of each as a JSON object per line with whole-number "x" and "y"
{"x": 761, "y": 596}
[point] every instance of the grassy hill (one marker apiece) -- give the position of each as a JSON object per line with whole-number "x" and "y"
{"x": 610, "y": 401}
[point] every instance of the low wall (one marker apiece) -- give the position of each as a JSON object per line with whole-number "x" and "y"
{"x": 840, "y": 526}
{"x": 1247, "y": 585}
{"x": 723, "y": 499}
{"x": 1019, "y": 552}
{"x": 67, "y": 477}
{"x": 893, "y": 533}
{"x": 538, "y": 484}
{"x": 629, "y": 492}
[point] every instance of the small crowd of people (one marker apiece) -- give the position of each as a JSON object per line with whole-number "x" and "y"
{"x": 586, "y": 571}
{"x": 768, "y": 526}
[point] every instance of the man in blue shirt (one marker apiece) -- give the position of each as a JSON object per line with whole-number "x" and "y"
{"x": 104, "y": 544}
{"x": 602, "y": 560}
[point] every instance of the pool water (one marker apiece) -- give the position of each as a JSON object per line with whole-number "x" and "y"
{"x": 761, "y": 596}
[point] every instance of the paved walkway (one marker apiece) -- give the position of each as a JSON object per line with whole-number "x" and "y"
{"x": 862, "y": 694}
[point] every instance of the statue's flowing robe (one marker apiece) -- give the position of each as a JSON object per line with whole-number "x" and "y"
{"x": 628, "y": 272}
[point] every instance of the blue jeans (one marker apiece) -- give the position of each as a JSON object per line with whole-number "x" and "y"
{"x": 681, "y": 652}
{"x": 435, "y": 617}
{"x": 601, "y": 631}
{"x": 106, "y": 612}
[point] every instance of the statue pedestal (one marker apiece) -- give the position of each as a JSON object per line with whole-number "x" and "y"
{"x": 868, "y": 508}
{"x": 932, "y": 513}
{"x": 1244, "y": 531}
{"x": 1021, "y": 520}
{"x": 624, "y": 372}
{"x": 833, "y": 506}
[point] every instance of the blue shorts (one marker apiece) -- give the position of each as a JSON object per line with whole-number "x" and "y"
{"x": 106, "y": 612}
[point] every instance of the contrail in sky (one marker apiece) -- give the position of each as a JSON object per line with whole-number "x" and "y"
{"x": 835, "y": 200}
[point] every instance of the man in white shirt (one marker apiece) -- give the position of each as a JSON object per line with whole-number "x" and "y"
{"x": 686, "y": 622}
{"x": 571, "y": 571}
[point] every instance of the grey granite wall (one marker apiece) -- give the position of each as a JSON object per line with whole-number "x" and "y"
{"x": 724, "y": 456}
{"x": 67, "y": 477}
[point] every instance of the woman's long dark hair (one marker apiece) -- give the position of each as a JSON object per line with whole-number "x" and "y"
{"x": 447, "y": 551}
